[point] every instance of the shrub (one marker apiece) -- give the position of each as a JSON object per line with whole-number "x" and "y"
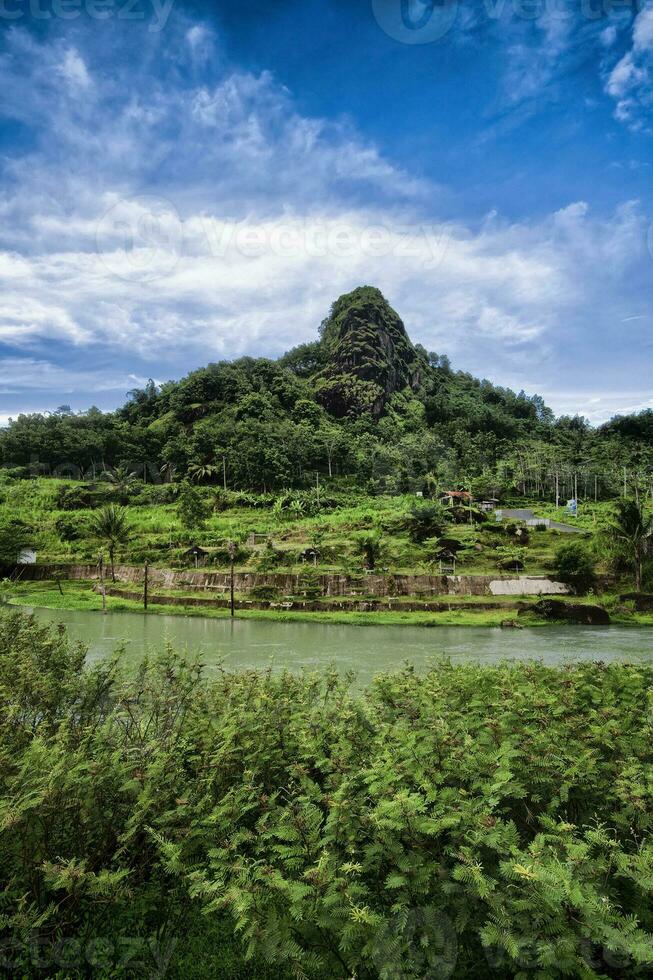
{"x": 473, "y": 822}
{"x": 574, "y": 564}
{"x": 193, "y": 510}
{"x": 265, "y": 593}
{"x": 15, "y": 534}
{"x": 425, "y": 521}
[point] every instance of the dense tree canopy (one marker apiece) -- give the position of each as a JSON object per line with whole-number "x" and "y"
{"x": 362, "y": 403}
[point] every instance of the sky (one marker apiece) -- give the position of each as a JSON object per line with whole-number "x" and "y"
{"x": 184, "y": 183}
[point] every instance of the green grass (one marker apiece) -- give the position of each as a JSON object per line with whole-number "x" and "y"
{"x": 80, "y": 596}
{"x": 157, "y": 533}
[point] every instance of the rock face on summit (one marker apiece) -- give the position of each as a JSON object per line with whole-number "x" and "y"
{"x": 369, "y": 355}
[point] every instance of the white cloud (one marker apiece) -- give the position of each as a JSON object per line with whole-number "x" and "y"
{"x": 630, "y": 82}
{"x": 595, "y": 407}
{"x": 254, "y": 219}
{"x": 609, "y": 36}
{"x": 18, "y": 373}
{"x": 74, "y": 71}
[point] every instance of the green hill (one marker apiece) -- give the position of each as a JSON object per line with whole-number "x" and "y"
{"x": 362, "y": 404}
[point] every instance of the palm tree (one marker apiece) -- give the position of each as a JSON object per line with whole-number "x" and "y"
{"x": 168, "y": 471}
{"x": 121, "y": 478}
{"x": 631, "y": 532}
{"x": 370, "y": 547}
{"x": 198, "y": 472}
{"x": 111, "y": 526}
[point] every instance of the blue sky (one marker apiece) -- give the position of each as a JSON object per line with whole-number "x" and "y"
{"x": 184, "y": 183}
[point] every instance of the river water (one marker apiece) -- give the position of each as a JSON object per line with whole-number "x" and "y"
{"x": 367, "y": 650}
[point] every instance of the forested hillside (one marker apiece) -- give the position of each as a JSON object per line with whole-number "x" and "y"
{"x": 361, "y": 404}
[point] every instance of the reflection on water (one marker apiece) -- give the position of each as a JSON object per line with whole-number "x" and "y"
{"x": 367, "y": 650}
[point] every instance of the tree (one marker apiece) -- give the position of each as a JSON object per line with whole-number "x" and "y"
{"x": 425, "y": 521}
{"x": 192, "y": 509}
{"x": 14, "y": 536}
{"x": 111, "y": 526}
{"x": 574, "y": 565}
{"x": 370, "y": 547}
{"x": 631, "y": 532}
{"x": 199, "y": 472}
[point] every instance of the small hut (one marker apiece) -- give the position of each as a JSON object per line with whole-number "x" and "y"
{"x": 456, "y": 498}
{"x": 197, "y": 555}
{"x": 447, "y": 560}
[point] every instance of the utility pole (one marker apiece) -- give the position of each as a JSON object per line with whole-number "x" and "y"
{"x": 103, "y": 589}
{"x": 146, "y": 569}
{"x": 557, "y": 489}
{"x": 231, "y": 547}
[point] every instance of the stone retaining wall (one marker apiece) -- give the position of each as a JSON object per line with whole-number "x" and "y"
{"x": 310, "y": 605}
{"x": 290, "y": 584}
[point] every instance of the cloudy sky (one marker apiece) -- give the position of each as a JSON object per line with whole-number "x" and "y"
{"x": 180, "y": 184}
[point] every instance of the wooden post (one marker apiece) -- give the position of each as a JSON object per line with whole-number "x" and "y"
{"x": 146, "y": 569}
{"x": 232, "y": 558}
{"x": 103, "y": 589}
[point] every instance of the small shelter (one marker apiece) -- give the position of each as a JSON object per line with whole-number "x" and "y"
{"x": 447, "y": 560}
{"x": 456, "y": 498}
{"x": 255, "y": 537}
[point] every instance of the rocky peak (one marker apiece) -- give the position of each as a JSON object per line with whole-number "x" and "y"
{"x": 369, "y": 354}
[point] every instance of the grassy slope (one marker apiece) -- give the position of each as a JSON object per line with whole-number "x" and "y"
{"x": 157, "y": 528}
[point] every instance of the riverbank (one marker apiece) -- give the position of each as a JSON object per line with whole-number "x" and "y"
{"x": 469, "y": 611}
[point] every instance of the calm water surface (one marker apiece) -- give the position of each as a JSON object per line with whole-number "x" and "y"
{"x": 367, "y": 650}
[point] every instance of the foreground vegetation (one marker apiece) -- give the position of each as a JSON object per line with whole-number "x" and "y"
{"x": 473, "y": 822}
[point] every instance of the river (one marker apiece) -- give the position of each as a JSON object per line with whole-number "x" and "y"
{"x": 367, "y": 650}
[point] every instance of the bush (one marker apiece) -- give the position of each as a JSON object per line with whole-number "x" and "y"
{"x": 474, "y": 822}
{"x": 425, "y": 521}
{"x": 193, "y": 509}
{"x": 574, "y": 565}
{"x": 71, "y": 528}
{"x": 85, "y": 497}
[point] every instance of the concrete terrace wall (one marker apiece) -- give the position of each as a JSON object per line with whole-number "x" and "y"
{"x": 290, "y": 584}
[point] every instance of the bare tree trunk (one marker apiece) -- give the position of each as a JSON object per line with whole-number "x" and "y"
{"x": 113, "y": 567}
